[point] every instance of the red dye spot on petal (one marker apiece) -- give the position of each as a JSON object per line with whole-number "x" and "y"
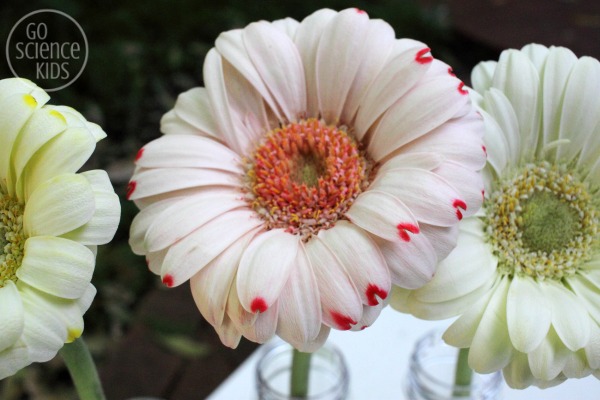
{"x": 131, "y": 188}
{"x": 403, "y": 227}
{"x": 461, "y": 88}
{"x": 372, "y": 291}
{"x": 358, "y": 10}
{"x": 421, "y": 56}
{"x": 458, "y": 204}
{"x": 484, "y": 150}
{"x": 362, "y": 328}
{"x": 343, "y": 322}
{"x": 483, "y": 194}
{"x": 139, "y": 154}
{"x": 451, "y": 71}
{"x": 168, "y": 280}
{"x": 258, "y": 305}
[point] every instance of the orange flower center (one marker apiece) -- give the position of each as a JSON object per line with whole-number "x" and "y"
{"x": 305, "y": 176}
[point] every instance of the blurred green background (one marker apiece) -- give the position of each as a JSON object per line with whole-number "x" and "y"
{"x": 141, "y": 55}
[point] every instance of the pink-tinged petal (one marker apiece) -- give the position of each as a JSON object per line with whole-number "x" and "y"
{"x": 342, "y": 40}
{"x": 188, "y": 256}
{"x": 232, "y": 131}
{"x": 381, "y": 38}
{"x": 340, "y": 301}
{"x": 369, "y": 316}
{"x": 288, "y": 25}
{"x": 187, "y": 215}
{"x": 429, "y": 197}
{"x": 184, "y": 151}
{"x": 300, "y": 305}
{"x": 307, "y": 39}
{"x": 150, "y": 182}
{"x": 236, "y": 312}
{"x": 412, "y": 263}
{"x": 265, "y": 325}
{"x": 231, "y": 46}
{"x": 154, "y": 261}
{"x": 422, "y": 160}
{"x": 354, "y": 249}
{"x": 228, "y": 333}
{"x": 279, "y": 66}
{"x": 193, "y": 107}
{"x": 315, "y": 344}
{"x": 468, "y": 183}
{"x": 383, "y": 215}
{"x": 425, "y": 107}
{"x": 459, "y": 140}
{"x": 400, "y": 73}
{"x": 444, "y": 237}
{"x": 265, "y": 268}
{"x": 142, "y": 221}
{"x": 172, "y": 124}
{"x": 211, "y": 285}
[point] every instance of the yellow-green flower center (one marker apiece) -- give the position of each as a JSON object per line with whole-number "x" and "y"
{"x": 12, "y": 238}
{"x": 542, "y": 223}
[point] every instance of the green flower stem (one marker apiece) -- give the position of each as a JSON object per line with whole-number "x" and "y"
{"x": 83, "y": 370}
{"x": 463, "y": 374}
{"x": 300, "y": 373}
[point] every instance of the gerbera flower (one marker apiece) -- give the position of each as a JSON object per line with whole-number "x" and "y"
{"x": 525, "y": 276}
{"x": 324, "y": 161}
{"x": 51, "y": 220}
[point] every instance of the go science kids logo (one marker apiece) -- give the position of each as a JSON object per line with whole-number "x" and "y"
{"x": 48, "y": 47}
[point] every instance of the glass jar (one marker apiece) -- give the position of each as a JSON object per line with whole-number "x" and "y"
{"x": 431, "y": 374}
{"x": 328, "y": 377}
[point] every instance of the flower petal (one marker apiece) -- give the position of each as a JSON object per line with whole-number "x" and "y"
{"x": 185, "y": 151}
{"x": 467, "y": 182}
{"x": 341, "y": 40}
{"x": 264, "y": 326}
{"x": 228, "y": 333}
{"x": 300, "y": 305}
{"x": 57, "y": 266}
{"x": 58, "y": 206}
{"x": 193, "y": 107}
{"x": 549, "y": 358}
{"x": 188, "y": 256}
{"x": 265, "y": 268}
{"x": 444, "y": 237}
{"x": 517, "y": 373}
{"x": 526, "y": 307}
{"x": 482, "y": 75}
{"x": 355, "y": 249}
{"x": 383, "y": 215}
{"x": 11, "y": 314}
{"x": 340, "y": 300}
{"x": 497, "y": 105}
{"x": 142, "y": 221}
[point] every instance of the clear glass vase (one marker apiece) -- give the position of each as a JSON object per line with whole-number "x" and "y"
{"x": 431, "y": 374}
{"x": 328, "y": 378}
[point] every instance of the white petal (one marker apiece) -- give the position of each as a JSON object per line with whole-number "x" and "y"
{"x": 172, "y": 124}
{"x": 400, "y": 73}
{"x": 496, "y": 143}
{"x": 142, "y": 221}
{"x": 150, "y": 182}
{"x": 287, "y": 25}
{"x": 76, "y": 120}
{"x": 102, "y": 227}
{"x": 211, "y": 285}
{"x": 307, "y": 39}
{"x": 425, "y": 107}
{"x": 185, "y": 151}
{"x": 228, "y": 333}
{"x": 193, "y": 107}
{"x": 569, "y": 318}
{"x": 279, "y": 66}
{"x": 264, "y": 327}
{"x": 576, "y": 365}
{"x": 549, "y": 358}
{"x": 482, "y": 75}
{"x": 537, "y": 53}
{"x": 265, "y": 268}
{"x": 383, "y": 215}
{"x": 57, "y": 266}
{"x": 361, "y": 258}
{"x": 340, "y": 300}
{"x": 517, "y": 373}
{"x": 187, "y": 215}
{"x": 300, "y": 305}
{"x": 379, "y": 40}
{"x": 342, "y": 40}
{"x": 498, "y": 106}
{"x": 518, "y": 79}
{"x": 428, "y": 196}
{"x": 154, "y": 261}
{"x": 444, "y": 237}
{"x": 491, "y": 349}
{"x": 10, "y": 86}
{"x": 527, "y": 314}
{"x": 11, "y": 314}
{"x": 13, "y": 359}
{"x": 188, "y": 256}
{"x": 422, "y": 160}
{"x": 412, "y": 264}
{"x": 58, "y": 206}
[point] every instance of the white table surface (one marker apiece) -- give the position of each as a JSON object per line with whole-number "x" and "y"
{"x": 378, "y": 359}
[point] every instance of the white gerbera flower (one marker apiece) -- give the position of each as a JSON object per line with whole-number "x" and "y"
{"x": 51, "y": 220}
{"x": 324, "y": 161}
{"x": 525, "y": 276}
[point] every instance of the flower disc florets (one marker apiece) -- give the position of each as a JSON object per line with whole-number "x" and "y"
{"x": 542, "y": 223}
{"x": 304, "y": 176}
{"x": 12, "y": 238}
